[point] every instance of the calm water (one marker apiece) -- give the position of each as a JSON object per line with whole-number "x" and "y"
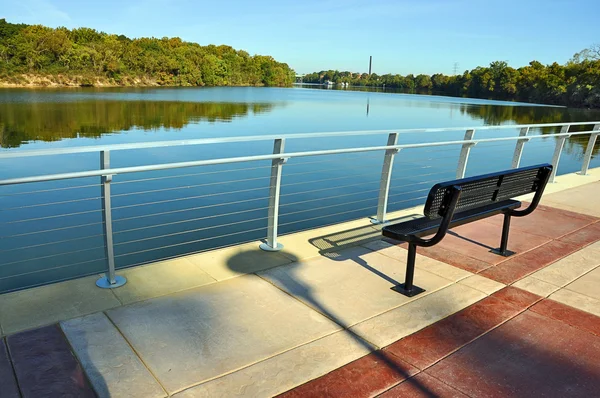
{"x": 53, "y": 231}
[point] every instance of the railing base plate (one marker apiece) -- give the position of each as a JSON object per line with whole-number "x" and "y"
{"x": 104, "y": 283}
{"x": 377, "y": 222}
{"x": 268, "y": 248}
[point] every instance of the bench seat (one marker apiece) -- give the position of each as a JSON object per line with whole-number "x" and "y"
{"x": 424, "y": 226}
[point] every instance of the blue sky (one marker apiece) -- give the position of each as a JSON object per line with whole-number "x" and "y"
{"x": 403, "y": 36}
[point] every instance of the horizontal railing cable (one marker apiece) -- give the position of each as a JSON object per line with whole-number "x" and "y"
{"x": 327, "y": 207}
{"x": 190, "y": 220}
{"x": 347, "y": 203}
{"x": 189, "y": 198}
{"x": 51, "y": 256}
{"x": 320, "y": 199}
{"x": 191, "y": 242}
{"x": 329, "y": 188}
{"x": 53, "y": 216}
{"x": 64, "y": 202}
{"x": 187, "y": 209}
{"x": 345, "y": 177}
{"x": 53, "y": 268}
{"x": 362, "y": 167}
{"x": 326, "y": 215}
{"x": 188, "y": 187}
{"x": 50, "y": 190}
{"x": 188, "y": 175}
{"x": 335, "y": 160}
{"x": 407, "y": 200}
{"x": 189, "y": 231}
{"x": 51, "y": 230}
{"x": 51, "y": 243}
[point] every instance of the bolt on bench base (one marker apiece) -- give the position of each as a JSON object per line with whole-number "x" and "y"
{"x": 413, "y": 291}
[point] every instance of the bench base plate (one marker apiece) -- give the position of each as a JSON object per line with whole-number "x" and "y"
{"x": 506, "y": 253}
{"x": 408, "y": 293}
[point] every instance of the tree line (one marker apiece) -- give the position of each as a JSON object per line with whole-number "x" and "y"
{"x": 575, "y": 84}
{"x": 84, "y": 56}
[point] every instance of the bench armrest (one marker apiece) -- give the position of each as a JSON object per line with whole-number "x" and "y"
{"x": 455, "y": 192}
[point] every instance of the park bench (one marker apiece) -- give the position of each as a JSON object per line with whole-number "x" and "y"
{"x": 453, "y": 203}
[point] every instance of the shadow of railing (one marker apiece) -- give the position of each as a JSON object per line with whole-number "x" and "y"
{"x": 330, "y": 245}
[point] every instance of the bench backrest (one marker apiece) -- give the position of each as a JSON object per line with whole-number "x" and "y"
{"x": 486, "y": 189}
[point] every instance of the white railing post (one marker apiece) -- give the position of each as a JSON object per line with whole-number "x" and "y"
{"x": 274, "y": 189}
{"x": 110, "y": 280}
{"x": 587, "y": 157}
{"x": 386, "y": 175}
{"x": 464, "y": 154}
{"x": 558, "y": 151}
{"x": 516, "y": 161}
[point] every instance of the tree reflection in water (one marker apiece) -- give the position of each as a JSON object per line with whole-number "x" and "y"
{"x": 53, "y": 121}
{"x": 498, "y": 115}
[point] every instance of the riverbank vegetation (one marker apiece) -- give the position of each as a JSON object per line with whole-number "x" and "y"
{"x": 575, "y": 84}
{"x": 37, "y": 55}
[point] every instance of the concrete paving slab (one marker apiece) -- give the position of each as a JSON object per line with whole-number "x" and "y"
{"x": 536, "y": 286}
{"x": 426, "y": 263}
{"x": 192, "y": 336}
{"x": 285, "y": 371}
{"x": 482, "y": 284}
{"x": 30, "y": 308}
{"x": 238, "y": 260}
{"x": 577, "y": 300}
{"x": 112, "y": 367}
{"x": 588, "y": 284}
{"x": 568, "y": 269}
{"x": 160, "y": 278}
{"x": 353, "y": 288}
{"x": 393, "y": 325}
{"x": 582, "y": 199}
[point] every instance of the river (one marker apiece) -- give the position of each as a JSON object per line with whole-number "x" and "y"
{"x": 53, "y": 231}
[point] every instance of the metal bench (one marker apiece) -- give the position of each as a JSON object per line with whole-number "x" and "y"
{"x": 453, "y": 203}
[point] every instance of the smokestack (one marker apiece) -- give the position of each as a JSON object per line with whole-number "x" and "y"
{"x": 370, "y": 62}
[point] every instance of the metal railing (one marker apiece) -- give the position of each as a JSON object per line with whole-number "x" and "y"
{"x": 278, "y": 158}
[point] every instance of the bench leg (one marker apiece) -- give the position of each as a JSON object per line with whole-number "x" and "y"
{"x": 407, "y": 288}
{"x": 502, "y": 250}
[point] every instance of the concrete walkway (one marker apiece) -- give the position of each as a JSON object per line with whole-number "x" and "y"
{"x": 321, "y": 320}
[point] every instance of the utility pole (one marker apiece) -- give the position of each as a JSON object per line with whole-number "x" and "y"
{"x": 370, "y": 62}
{"x": 455, "y": 68}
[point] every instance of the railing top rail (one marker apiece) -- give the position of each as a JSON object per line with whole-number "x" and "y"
{"x": 241, "y": 159}
{"x": 224, "y": 140}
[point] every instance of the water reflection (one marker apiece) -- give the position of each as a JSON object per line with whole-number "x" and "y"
{"x": 52, "y": 121}
{"x": 498, "y": 115}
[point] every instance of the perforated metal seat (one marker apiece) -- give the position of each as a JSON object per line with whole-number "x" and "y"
{"x": 424, "y": 226}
